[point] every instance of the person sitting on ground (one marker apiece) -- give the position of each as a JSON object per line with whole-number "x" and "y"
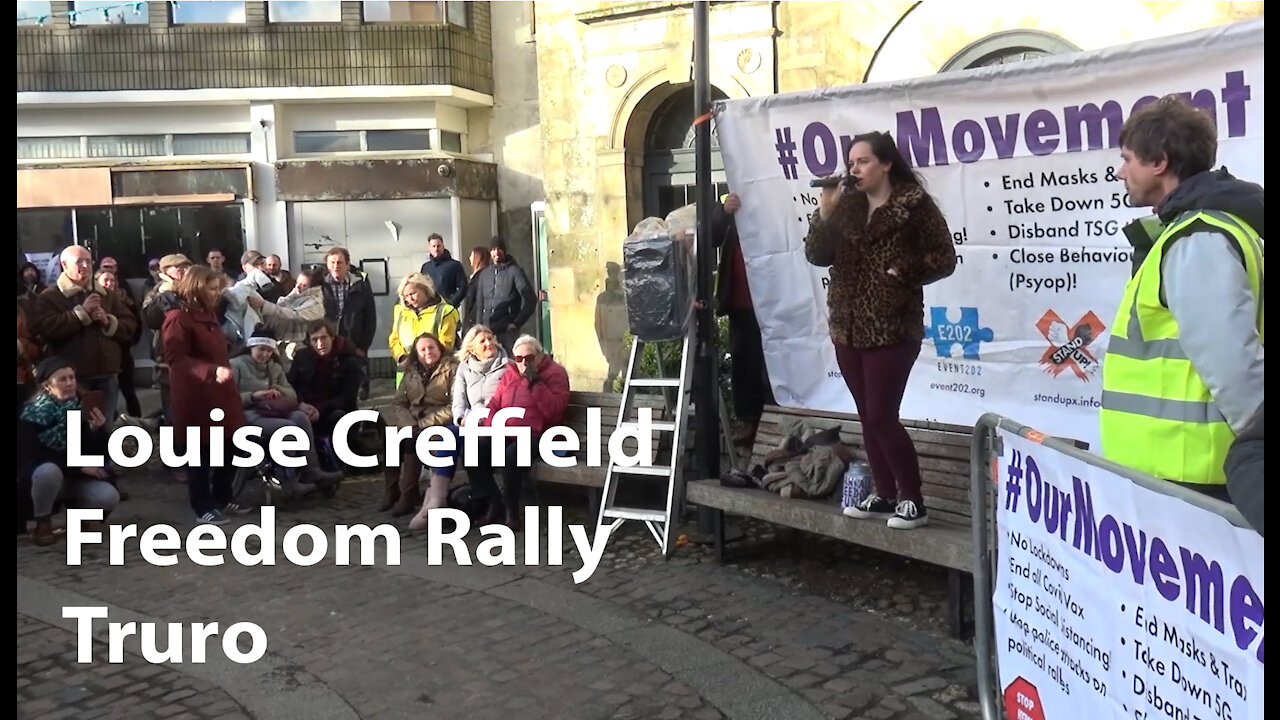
{"x": 481, "y": 364}
{"x": 42, "y": 434}
{"x": 420, "y": 310}
{"x": 423, "y": 400}
{"x": 539, "y": 386}
{"x": 326, "y": 376}
{"x": 271, "y": 404}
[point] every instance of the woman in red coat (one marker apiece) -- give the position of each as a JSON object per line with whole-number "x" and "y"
{"x": 200, "y": 381}
{"x": 538, "y": 385}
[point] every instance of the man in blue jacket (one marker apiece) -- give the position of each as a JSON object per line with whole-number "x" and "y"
{"x": 448, "y": 274}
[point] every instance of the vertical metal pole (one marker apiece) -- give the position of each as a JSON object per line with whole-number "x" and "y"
{"x": 707, "y": 428}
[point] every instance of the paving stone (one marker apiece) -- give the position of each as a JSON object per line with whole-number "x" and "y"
{"x": 397, "y": 640}
{"x": 923, "y": 685}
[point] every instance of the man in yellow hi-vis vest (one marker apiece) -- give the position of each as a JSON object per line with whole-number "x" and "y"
{"x": 1183, "y": 370}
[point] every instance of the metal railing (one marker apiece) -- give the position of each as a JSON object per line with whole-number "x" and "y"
{"x": 985, "y": 447}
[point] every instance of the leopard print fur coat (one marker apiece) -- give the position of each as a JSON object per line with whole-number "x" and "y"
{"x": 868, "y": 306}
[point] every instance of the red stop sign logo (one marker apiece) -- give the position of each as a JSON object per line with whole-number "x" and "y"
{"x": 1022, "y": 701}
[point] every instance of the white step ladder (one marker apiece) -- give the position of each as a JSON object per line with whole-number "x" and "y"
{"x": 660, "y": 522}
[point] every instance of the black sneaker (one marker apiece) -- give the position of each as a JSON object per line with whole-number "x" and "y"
{"x": 873, "y": 508}
{"x": 214, "y": 517}
{"x": 909, "y": 515}
{"x": 236, "y": 508}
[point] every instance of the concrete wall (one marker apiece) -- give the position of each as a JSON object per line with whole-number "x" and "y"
{"x": 475, "y": 221}
{"x": 270, "y": 126}
{"x": 604, "y": 67}
{"x": 157, "y": 55}
{"x": 515, "y": 134}
{"x": 360, "y": 227}
{"x": 54, "y": 122}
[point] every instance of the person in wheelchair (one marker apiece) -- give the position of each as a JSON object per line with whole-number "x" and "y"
{"x": 326, "y": 374}
{"x": 271, "y": 403}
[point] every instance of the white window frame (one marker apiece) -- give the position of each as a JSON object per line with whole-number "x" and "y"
{"x": 168, "y": 148}
{"x": 433, "y": 138}
{"x": 442, "y": 9}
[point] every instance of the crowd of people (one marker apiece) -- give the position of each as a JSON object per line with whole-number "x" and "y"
{"x": 275, "y": 350}
{"x": 1182, "y": 385}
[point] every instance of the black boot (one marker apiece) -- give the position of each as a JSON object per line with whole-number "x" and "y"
{"x": 390, "y": 489}
{"x": 496, "y": 513}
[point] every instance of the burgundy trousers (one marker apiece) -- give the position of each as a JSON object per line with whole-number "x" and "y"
{"x": 877, "y": 377}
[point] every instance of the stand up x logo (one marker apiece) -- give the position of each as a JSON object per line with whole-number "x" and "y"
{"x": 1069, "y": 346}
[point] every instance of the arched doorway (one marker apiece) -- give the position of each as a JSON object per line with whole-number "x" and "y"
{"x": 670, "y": 165}
{"x": 1008, "y": 47}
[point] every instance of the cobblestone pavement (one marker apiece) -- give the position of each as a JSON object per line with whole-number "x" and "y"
{"x": 792, "y": 633}
{"x": 50, "y": 684}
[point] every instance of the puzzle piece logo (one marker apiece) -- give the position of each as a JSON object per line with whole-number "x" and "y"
{"x": 968, "y": 333}
{"x": 1069, "y": 346}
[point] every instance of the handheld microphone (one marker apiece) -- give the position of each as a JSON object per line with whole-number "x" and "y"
{"x": 827, "y": 182}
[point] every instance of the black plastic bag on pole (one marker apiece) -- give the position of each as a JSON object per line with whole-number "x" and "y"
{"x": 659, "y": 277}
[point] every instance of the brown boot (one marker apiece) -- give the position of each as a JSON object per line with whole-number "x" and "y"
{"x": 410, "y": 497}
{"x": 43, "y": 535}
{"x": 390, "y": 488}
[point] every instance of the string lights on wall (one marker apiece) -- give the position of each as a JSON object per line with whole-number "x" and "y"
{"x": 72, "y": 14}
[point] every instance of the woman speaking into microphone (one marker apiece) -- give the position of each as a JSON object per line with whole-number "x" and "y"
{"x": 883, "y": 238}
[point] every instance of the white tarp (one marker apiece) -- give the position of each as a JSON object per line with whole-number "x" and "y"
{"x": 1115, "y": 601}
{"x": 1022, "y": 159}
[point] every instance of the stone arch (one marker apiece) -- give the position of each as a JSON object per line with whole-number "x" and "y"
{"x": 634, "y": 119}
{"x": 932, "y": 37}
{"x": 636, "y": 107}
{"x": 1007, "y": 46}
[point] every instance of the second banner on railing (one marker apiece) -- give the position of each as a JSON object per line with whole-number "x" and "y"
{"x": 1112, "y": 600}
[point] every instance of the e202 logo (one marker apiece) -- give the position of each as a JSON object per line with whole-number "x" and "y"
{"x": 967, "y": 333}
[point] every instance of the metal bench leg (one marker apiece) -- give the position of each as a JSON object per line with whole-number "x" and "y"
{"x": 717, "y": 529}
{"x": 594, "y": 495}
{"x": 959, "y": 589}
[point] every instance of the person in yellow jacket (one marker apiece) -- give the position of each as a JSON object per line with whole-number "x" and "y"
{"x": 1183, "y": 372}
{"x": 420, "y": 310}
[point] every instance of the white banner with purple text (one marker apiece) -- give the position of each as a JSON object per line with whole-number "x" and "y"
{"x": 1022, "y": 159}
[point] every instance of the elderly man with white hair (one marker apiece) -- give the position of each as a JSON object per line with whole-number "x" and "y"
{"x": 82, "y": 322}
{"x": 538, "y": 385}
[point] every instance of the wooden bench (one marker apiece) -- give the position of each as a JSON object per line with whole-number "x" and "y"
{"x": 582, "y": 474}
{"x": 944, "y": 466}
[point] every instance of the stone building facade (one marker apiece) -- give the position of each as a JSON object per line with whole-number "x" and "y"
{"x": 147, "y": 128}
{"x": 615, "y": 102}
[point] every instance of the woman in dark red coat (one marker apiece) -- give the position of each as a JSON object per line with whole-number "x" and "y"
{"x": 200, "y": 381}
